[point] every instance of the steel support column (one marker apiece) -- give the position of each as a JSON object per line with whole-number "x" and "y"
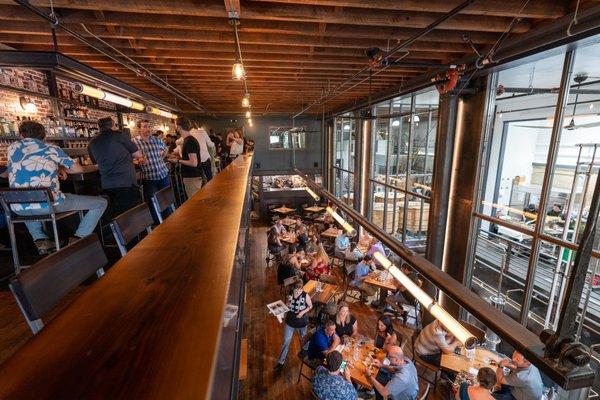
{"x": 365, "y": 165}
{"x": 444, "y": 149}
{"x": 470, "y": 119}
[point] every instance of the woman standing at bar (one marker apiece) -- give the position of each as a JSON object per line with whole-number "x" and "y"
{"x": 296, "y": 319}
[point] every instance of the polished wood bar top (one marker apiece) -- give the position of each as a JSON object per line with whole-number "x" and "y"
{"x": 149, "y": 328}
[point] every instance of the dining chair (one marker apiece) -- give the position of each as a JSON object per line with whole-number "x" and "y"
{"x": 163, "y": 200}
{"x": 39, "y": 288}
{"x": 424, "y": 394}
{"x": 303, "y": 355}
{"x": 130, "y": 224}
{"x": 426, "y": 365}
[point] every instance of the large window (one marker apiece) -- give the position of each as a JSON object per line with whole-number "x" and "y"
{"x": 344, "y": 144}
{"x": 536, "y": 187}
{"x": 403, "y": 147}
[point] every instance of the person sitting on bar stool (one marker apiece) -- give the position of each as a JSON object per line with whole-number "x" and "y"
{"x": 396, "y": 380}
{"x": 32, "y": 163}
{"x": 522, "y": 382}
{"x": 191, "y": 168}
{"x": 434, "y": 340}
{"x": 113, "y": 152}
{"x": 155, "y": 174}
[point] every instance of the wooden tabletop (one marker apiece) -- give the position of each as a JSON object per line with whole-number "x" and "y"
{"x": 384, "y": 284}
{"x": 150, "y": 328}
{"x": 283, "y": 210}
{"x": 289, "y": 238}
{"x": 324, "y": 296}
{"x": 331, "y": 233}
{"x": 456, "y": 363}
{"x": 366, "y": 353}
{"x": 314, "y": 209}
{"x": 288, "y": 221}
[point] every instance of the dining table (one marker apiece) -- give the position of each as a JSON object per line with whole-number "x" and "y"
{"x": 383, "y": 281}
{"x": 320, "y": 292}
{"x": 331, "y": 233}
{"x": 453, "y": 362}
{"x": 289, "y": 238}
{"x": 288, "y": 221}
{"x": 283, "y": 210}
{"x": 359, "y": 353}
{"x": 314, "y": 209}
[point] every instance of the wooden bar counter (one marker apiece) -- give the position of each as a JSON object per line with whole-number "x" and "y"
{"x": 149, "y": 328}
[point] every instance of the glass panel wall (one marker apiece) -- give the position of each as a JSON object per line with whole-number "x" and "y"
{"x": 403, "y": 147}
{"x": 532, "y": 206}
{"x": 344, "y": 145}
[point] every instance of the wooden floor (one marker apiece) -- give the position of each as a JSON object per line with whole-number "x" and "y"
{"x": 265, "y": 334}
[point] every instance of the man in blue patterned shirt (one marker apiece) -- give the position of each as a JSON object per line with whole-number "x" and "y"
{"x": 155, "y": 174}
{"x": 32, "y": 163}
{"x": 332, "y": 383}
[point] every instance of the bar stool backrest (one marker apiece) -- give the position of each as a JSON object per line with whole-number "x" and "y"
{"x": 130, "y": 224}
{"x": 41, "y": 196}
{"x": 39, "y": 288}
{"x": 162, "y": 200}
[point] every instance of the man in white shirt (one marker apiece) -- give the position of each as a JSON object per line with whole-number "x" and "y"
{"x": 204, "y": 141}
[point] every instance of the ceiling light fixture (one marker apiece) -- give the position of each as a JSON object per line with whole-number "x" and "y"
{"x": 159, "y": 112}
{"x": 237, "y": 71}
{"x": 447, "y": 320}
{"x": 350, "y": 231}
{"x": 81, "y": 88}
{"x": 250, "y": 122}
{"x": 246, "y": 100}
{"x": 248, "y": 114}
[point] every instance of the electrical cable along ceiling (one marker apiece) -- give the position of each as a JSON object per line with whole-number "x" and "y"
{"x": 293, "y": 52}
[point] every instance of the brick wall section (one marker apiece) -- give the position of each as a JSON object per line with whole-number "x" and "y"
{"x": 26, "y": 79}
{"x": 10, "y": 106}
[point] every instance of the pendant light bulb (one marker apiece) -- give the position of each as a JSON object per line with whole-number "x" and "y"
{"x": 237, "y": 71}
{"x": 248, "y": 114}
{"x": 246, "y": 101}
{"x": 250, "y": 122}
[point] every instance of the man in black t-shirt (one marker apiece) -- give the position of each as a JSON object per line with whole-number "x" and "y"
{"x": 191, "y": 170}
{"x": 113, "y": 152}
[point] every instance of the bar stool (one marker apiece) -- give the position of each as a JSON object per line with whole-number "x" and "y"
{"x": 127, "y": 226}
{"x": 21, "y": 196}
{"x": 162, "y": 201}
{"x": 41, "y": 287}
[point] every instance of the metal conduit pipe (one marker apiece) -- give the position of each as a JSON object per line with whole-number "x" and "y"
{"x": 390, "y": 53}
{"x": 148, "y": 74}
{"x": 529, "y": 344}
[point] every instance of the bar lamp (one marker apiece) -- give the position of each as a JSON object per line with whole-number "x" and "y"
{"x": 161, "y": 113}
{"x": 347, "y": 227}
{"x": 313, "y": 194}
{"x": 453, "y": 326}
{"x": 81, "y": 88}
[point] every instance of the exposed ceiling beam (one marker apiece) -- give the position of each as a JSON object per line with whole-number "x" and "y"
{"x": 292, "y": 12}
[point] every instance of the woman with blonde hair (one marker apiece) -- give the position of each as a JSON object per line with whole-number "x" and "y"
{"x": 319, "y": 266}
{"x": 345, "y": 323}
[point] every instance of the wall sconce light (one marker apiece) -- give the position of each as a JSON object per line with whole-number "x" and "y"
{"x": 350, "y": 231}
{"x": 27, "y": 105}
{"x": 453, "y": 326}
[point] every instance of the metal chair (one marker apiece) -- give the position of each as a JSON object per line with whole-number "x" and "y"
{"x": 425, "y": 393}
{"x": 21, "y": 196}
{"x": 304, "y": 360}
{"x": 162, "y": 201}
{"x": 129, "y": 225}
{"x": 40, "y": 288}
{"x": 420, "y": 362}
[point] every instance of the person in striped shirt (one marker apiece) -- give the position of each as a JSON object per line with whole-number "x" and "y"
{"x": 434, "y": 340}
